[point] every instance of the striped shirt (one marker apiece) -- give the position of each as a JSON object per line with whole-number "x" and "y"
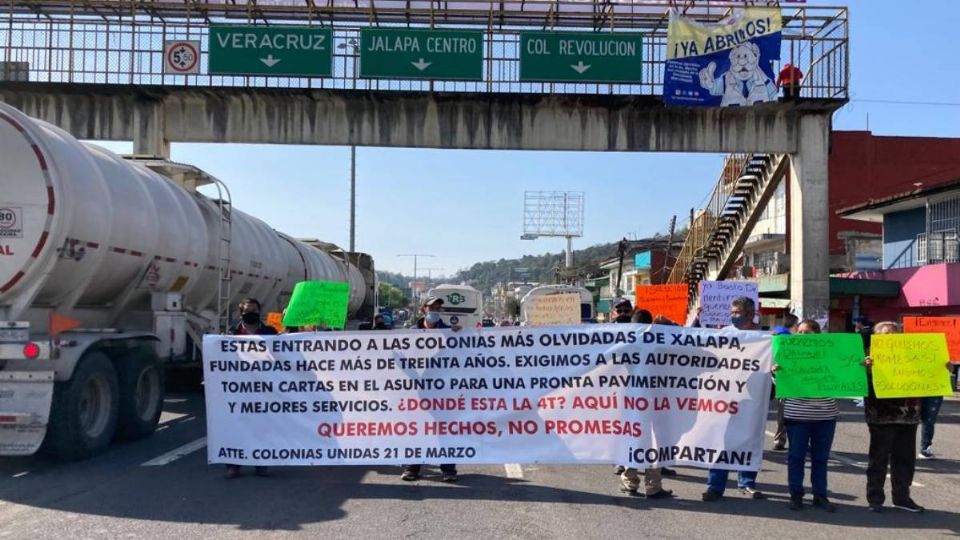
{"x": 811, "y": 409}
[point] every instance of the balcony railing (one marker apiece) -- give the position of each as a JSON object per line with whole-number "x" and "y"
{"x": 122, "y": 41}
{"x": 938, "y": 247}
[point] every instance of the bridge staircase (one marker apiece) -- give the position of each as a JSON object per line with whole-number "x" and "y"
{"x": 719, "y": 231}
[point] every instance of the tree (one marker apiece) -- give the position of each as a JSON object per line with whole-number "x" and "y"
{"x": 391, "y": 297}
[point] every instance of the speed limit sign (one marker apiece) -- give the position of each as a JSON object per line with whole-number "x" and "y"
{"x": 181, "y": 57}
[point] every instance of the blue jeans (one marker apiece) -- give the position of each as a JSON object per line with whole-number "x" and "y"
{"x": 717, "y": 480}
{"x": 929, "y": 409}
{"x": 817, "y": 438}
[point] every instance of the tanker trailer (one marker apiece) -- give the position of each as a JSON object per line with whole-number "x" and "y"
{"x": 142, "y": 265}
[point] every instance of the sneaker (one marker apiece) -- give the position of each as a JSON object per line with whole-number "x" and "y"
{"x": 233, "y": 471}
{"x": 662, "y": 494}
{"x": 796, "y": 503}
{"x": 876, "y": 508}
{"x": 909, "y": 506}
{"x": 825, "y": 504}
{"x": 752, "y": 492}
{"x": 926, "y": 453}
{"x": 630, "y": 491}
{"x": 711, "y": 496}
{"x": 409, "y": 476}
{"x": 667, "y": 472}
{"x": 779, "y": 446}
{"x": 449, "y": 477}
{"x": 618, "y": 470}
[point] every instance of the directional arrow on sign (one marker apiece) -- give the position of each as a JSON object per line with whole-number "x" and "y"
{"x": 421, "y": 65}
{"x": 580, "y": 67}
{"x": 270, "y": 61}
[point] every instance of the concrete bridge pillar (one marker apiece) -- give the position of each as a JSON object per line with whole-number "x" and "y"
{"x": 149, "y": 133}
{"x": 810, "y": 219}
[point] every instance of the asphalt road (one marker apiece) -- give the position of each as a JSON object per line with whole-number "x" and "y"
{"x": 162, "y": 487}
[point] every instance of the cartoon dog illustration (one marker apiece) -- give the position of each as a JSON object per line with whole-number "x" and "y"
{"x": 744, "y": 83}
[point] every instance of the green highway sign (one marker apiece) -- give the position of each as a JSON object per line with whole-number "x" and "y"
{"x": 580, "y": 57}
{"x": 421, "y": 54}
{"x": 271, "y": 50}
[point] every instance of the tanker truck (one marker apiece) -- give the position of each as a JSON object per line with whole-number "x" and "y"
{"x": 111, "y": 270}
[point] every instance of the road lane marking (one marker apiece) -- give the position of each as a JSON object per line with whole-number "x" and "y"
{"x": 514, "y": 470}
{"x": 21, "y": 474}
{"x": 176, "y": 453}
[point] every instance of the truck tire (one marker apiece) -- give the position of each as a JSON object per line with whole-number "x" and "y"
{"x": 141, "y": 394}
{"x": 83, "y": 419}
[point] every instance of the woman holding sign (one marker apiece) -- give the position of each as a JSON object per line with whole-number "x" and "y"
{"x": 893, "y": 437}
{"x": 810, "y": 424}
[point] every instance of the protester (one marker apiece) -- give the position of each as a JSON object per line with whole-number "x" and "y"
{"x": 893, "y": 438}
{"x": 629, "y": 476}
{"x": 250, "y": 325}
{"x": 929, "y": 410}
{"x": 431, "y": 320}
{"x": 742, "y": 312}
{"x": 378, "y": 323}
{"x": 790, "y": 322}
{"x": 810, "y": 424}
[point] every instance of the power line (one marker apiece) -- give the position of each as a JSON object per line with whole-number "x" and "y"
{"x": 898, "y": 102}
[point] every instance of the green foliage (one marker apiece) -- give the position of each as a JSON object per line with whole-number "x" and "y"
{"x": 391, "y": 296}
{"x": 541, "y": 268}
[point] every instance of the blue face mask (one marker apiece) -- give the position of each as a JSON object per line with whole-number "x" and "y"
{"x": 432, "y": 317}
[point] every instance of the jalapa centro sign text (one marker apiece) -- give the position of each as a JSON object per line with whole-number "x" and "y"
{"x": 643, "y": 395}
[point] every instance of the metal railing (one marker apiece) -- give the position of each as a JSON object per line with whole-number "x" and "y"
{"x": 121, "y": 42}
{"x": 938, "y": 247}
{"x": 705, "y": 221}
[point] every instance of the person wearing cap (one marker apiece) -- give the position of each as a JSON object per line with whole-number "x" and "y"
{"x": 622, "y": 310}
{"x": 430, "y": 320}
{"x": 742, "y": 312}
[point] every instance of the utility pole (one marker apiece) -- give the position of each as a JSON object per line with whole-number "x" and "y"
{"x": 413, "y": 291}
{"x": 353, "y": 199}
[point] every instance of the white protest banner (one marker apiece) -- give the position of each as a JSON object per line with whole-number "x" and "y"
{"x": 715, "y": 298}
{"x": 640, "y": 395}
{"x": 554, "y": 310}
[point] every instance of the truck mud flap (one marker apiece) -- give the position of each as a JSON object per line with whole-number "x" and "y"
{"x": 25, "y": 398}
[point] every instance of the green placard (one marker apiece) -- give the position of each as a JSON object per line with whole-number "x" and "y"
{"x": 581, "y": 57}
{"x": 318, "y": 303}
{"x": 819, "y": 366}
{"x": 273, "y": 50}
{"x": 421, "y": 54}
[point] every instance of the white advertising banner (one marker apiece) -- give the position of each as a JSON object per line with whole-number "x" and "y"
{"x": 632, "y": 394}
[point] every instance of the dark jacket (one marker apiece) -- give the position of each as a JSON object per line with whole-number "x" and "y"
{"x": 262, "y": 330}
{"x": 891, "y": 410}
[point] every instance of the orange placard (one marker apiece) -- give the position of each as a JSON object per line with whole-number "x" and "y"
{"x": 669, "y": 301}
{"x": 949, "y": 326}
{"x": 275, "y": 320}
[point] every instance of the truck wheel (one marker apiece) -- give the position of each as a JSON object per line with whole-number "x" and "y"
{"x": 141, "y": 394}
{"x": 83, "y": 418}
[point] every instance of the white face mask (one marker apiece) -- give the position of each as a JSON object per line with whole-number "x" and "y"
{"x": 432, "y": 317}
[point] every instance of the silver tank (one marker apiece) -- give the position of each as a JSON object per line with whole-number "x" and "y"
{"x": 85, "y": 231}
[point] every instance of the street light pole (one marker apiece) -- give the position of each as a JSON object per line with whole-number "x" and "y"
{"x": 415, "y": 256}
{"x": 353, "y": 199}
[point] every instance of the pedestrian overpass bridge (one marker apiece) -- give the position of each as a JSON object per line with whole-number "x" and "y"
{"x": 100, "y": 70}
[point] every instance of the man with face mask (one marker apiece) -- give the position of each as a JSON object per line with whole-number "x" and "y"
{"x": 250, "y": 325}
{"x": 742, "y": 313}
{"x": 431, "y": 319}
